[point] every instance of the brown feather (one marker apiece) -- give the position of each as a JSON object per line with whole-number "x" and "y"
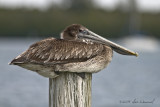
{"x": 52, "y": 51}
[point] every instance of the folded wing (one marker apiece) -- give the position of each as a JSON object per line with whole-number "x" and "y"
{"x": 52, "y": 51}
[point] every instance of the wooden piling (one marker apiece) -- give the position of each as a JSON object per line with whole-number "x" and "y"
{"x": 70, "y": 90}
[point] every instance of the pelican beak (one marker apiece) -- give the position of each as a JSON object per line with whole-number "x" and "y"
{"x": 119, "y": 49}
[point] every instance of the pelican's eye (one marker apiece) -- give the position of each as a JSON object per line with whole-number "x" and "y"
{"x": 83, "y": 31}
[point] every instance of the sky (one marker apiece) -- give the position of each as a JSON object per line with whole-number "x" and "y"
{"x": 143, "y": 5}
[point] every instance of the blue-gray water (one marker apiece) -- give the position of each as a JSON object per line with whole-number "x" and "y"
{"x": 127, "y": 81}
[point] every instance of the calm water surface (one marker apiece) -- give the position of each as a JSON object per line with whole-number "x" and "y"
{"x": 127, "y": 81}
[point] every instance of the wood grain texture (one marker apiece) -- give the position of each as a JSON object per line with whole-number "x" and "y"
{"x": 70, "y": 90}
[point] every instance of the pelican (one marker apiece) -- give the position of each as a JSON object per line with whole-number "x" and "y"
{"x": 78, "y": 50}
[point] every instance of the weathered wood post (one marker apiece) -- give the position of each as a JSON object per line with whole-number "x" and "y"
{"x": 70, "y": 90}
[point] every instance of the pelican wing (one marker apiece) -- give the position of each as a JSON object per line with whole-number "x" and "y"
{"x": 58, "y": 51}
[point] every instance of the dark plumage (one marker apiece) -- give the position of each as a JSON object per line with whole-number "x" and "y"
{"x": 78, "y": 50}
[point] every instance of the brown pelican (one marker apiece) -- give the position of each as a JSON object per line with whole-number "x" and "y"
{"x": 79, "y": 50}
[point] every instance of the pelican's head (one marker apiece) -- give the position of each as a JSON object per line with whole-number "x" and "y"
{"x": 77, "y": 32}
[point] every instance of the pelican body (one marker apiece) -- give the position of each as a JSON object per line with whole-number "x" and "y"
{"x": 79, "y": 50}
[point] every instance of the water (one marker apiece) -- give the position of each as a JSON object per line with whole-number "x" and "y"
{"x": 126, "y": 82}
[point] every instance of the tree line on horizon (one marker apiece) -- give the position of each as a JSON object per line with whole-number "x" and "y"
{"x": 24, "y": 22}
